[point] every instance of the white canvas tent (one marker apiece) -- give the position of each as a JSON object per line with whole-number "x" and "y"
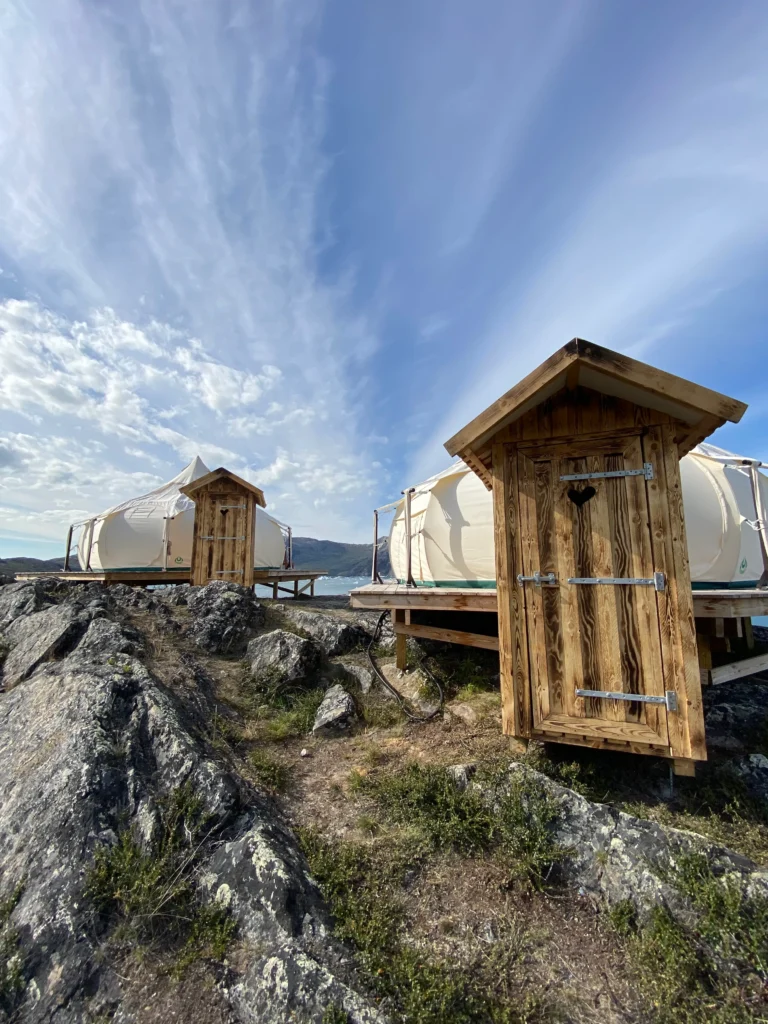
{"x": 725, "y": 498}
{"x": 154, "y": 531}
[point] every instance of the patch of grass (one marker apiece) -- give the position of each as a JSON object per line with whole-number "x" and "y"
{"x": 713, "y": 969}
{"x": 463, "y": 674}
{"x": 269, "y": 771}
{"x": 11, "y": 975}
{"x": 518, "y": 826}
{"x": 362, "y": 884}
{"x": 150, "y": 895}
{"x": 284, "y": 711}
{"x": 380, "y": 713}
{"x": 335, "y": 1015}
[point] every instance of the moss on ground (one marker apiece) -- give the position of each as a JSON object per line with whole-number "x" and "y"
{"x": 149, "y": 893}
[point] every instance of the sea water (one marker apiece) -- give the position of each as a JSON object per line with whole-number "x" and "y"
{"x": 326, "y": 585}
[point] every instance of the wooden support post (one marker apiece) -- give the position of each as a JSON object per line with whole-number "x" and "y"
{"x": 749, "y": 636}
{"x": 705, "y": 658}
{"x": 295, "y": 589}
{"x": 274, "y": 591}
{"x": 312, "y": 587}
{"x": 518, "y": 746}
{"x": 684, "y": 766}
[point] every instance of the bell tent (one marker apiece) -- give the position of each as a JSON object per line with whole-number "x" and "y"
{"x": 154, "y": 531}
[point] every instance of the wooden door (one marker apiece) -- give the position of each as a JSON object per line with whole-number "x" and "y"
{"x": 224, "y": 536}
{"x": 587, "y": 635}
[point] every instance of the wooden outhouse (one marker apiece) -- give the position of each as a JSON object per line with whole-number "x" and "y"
{"x": 597, "y": 639}
{"x": 225, "y": 518}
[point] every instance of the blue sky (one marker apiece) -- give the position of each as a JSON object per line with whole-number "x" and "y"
{"x": 309, "y": 241}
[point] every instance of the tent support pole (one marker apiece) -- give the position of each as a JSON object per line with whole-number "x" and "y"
{"x": 69, "y": 545}
{"x": 375, "y": 577}
{"x": 91, "y": 527}
{"x": 409, "y": 580}
{"x": 290, "y": 547}
{"x": 165, "y": 542}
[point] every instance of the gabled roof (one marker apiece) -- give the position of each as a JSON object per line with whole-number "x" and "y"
{"x": 219, "y": 474}
{"x": 600, "y": 369}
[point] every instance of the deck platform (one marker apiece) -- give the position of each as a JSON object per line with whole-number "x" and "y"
{"x": 275, "y": 578}
{"x": 721, "y": 604}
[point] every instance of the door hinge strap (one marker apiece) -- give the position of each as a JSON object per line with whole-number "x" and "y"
{"x": 669, "y": 699}
{"x": 657, "y": 581}
{"x": 228, "y": 572}
{"x": 222, "y": 538}
{"x": 612, "y": 474}
{"x": 232, "y": 506}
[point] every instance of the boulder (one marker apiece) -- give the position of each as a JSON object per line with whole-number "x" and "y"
{"x": 27, "y": 597}
{"x": 753, "y": 772}
{"x": 5, "y": 580}
{"x": 736, "y": 715}
{"x": 611, "y": 855}
{"x": 36, "y": 638}
{"x": 334, "y": 634}
{"x": 285, "y": 657}
{"x": 357, "y": 674}
{"x": 336, "y": 714}
{"x": 87, "y": 749}
{"x": 223, "y": 616}
{"x": 104, "y": 640}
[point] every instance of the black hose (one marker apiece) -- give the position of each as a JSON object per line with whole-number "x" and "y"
{"x": 395, "y": 693}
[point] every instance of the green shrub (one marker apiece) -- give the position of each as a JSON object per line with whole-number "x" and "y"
{"x": 268, "y": 770}
{"x": 286, "y": 710}
{"x": 712, "y": 970}
{"x": 518, "y": 827}
{"x": 149, "y": 893}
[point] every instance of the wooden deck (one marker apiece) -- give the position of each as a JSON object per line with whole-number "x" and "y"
{"x": 275, "y": 578}
{"x": 721, "y": 604}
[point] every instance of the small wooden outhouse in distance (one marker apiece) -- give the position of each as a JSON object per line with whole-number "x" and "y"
{"x": 597, "y": 639}
{"x": 225, "y": 518}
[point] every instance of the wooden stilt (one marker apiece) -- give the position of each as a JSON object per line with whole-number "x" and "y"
{"x": 684, "y": 766}
{"x": 274, "y": 591}
{"x": 705, "y": 658}
{"x": 749, "y": 636}
{"x": 518, "y": 745}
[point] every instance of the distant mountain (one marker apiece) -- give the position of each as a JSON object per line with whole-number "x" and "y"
{"x": 338, "y": 559}
{"x": 308, "y": 553}
{"x": 9, "y": 566}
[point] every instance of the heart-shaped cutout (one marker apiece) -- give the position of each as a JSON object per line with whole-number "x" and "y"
{"x": 581, "y": 497}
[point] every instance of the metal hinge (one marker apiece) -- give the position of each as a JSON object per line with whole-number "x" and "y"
{"x": 669, "y": 699}
{"x": 233, "y": 506}
{"x": 228, "y": 572}
{"x": 657, "y": 581}
{"x": 538, "y": 578}
{"x": 222, "y": 538}
{"x": 646, "y": 471}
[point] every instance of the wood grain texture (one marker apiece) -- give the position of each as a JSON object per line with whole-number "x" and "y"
{"x": 513, "y": 645}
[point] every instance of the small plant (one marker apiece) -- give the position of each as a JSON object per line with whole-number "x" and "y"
{"x": 11, "y": 976}
{"x": 285, "y": 711}
{"x": 150, "y": 893}
{"x": 335, "y": 1015}
{"x": 268, "y": 770}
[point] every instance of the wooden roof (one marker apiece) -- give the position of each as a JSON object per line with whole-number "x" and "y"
{"x": 222, "y": 474}
{"x": 699, "y": 410}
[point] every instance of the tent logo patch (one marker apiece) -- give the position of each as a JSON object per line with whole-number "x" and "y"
{"x": 743, "y": 566}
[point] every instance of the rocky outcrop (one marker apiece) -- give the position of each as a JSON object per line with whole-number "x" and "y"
{"x": 736, "y": 715}
{"x": 223, "y": 616}
{"x": 285, "y": 657}
{"x": 612, "y": 855}
{"x": 357, "y": 674}
{"x": 337, "y": 713}
{"x": 334, "y": 634}
{"x": 91, "y": 744}
{"x": 753, "y": 772}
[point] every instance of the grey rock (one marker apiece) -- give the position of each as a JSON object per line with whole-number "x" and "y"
{"x": 355, "y": 673}
{"x": 178, "y": 594}
{"x": 336, "y": 714}
{"x": 753, "y": 771}
{"x": 334, "y": 634}
{"x": 736, "y": 715}
{"x": 40, "y": 637}
{"x": 614, "y": 856}
{"x": 87, "y": 748}
{"x": 105, "y": 639}
{"x": 287, "y": 657}
{"x": 223, "y": 616}
{"x": 6, "y": 580}
{"x": 27, "y": 597}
